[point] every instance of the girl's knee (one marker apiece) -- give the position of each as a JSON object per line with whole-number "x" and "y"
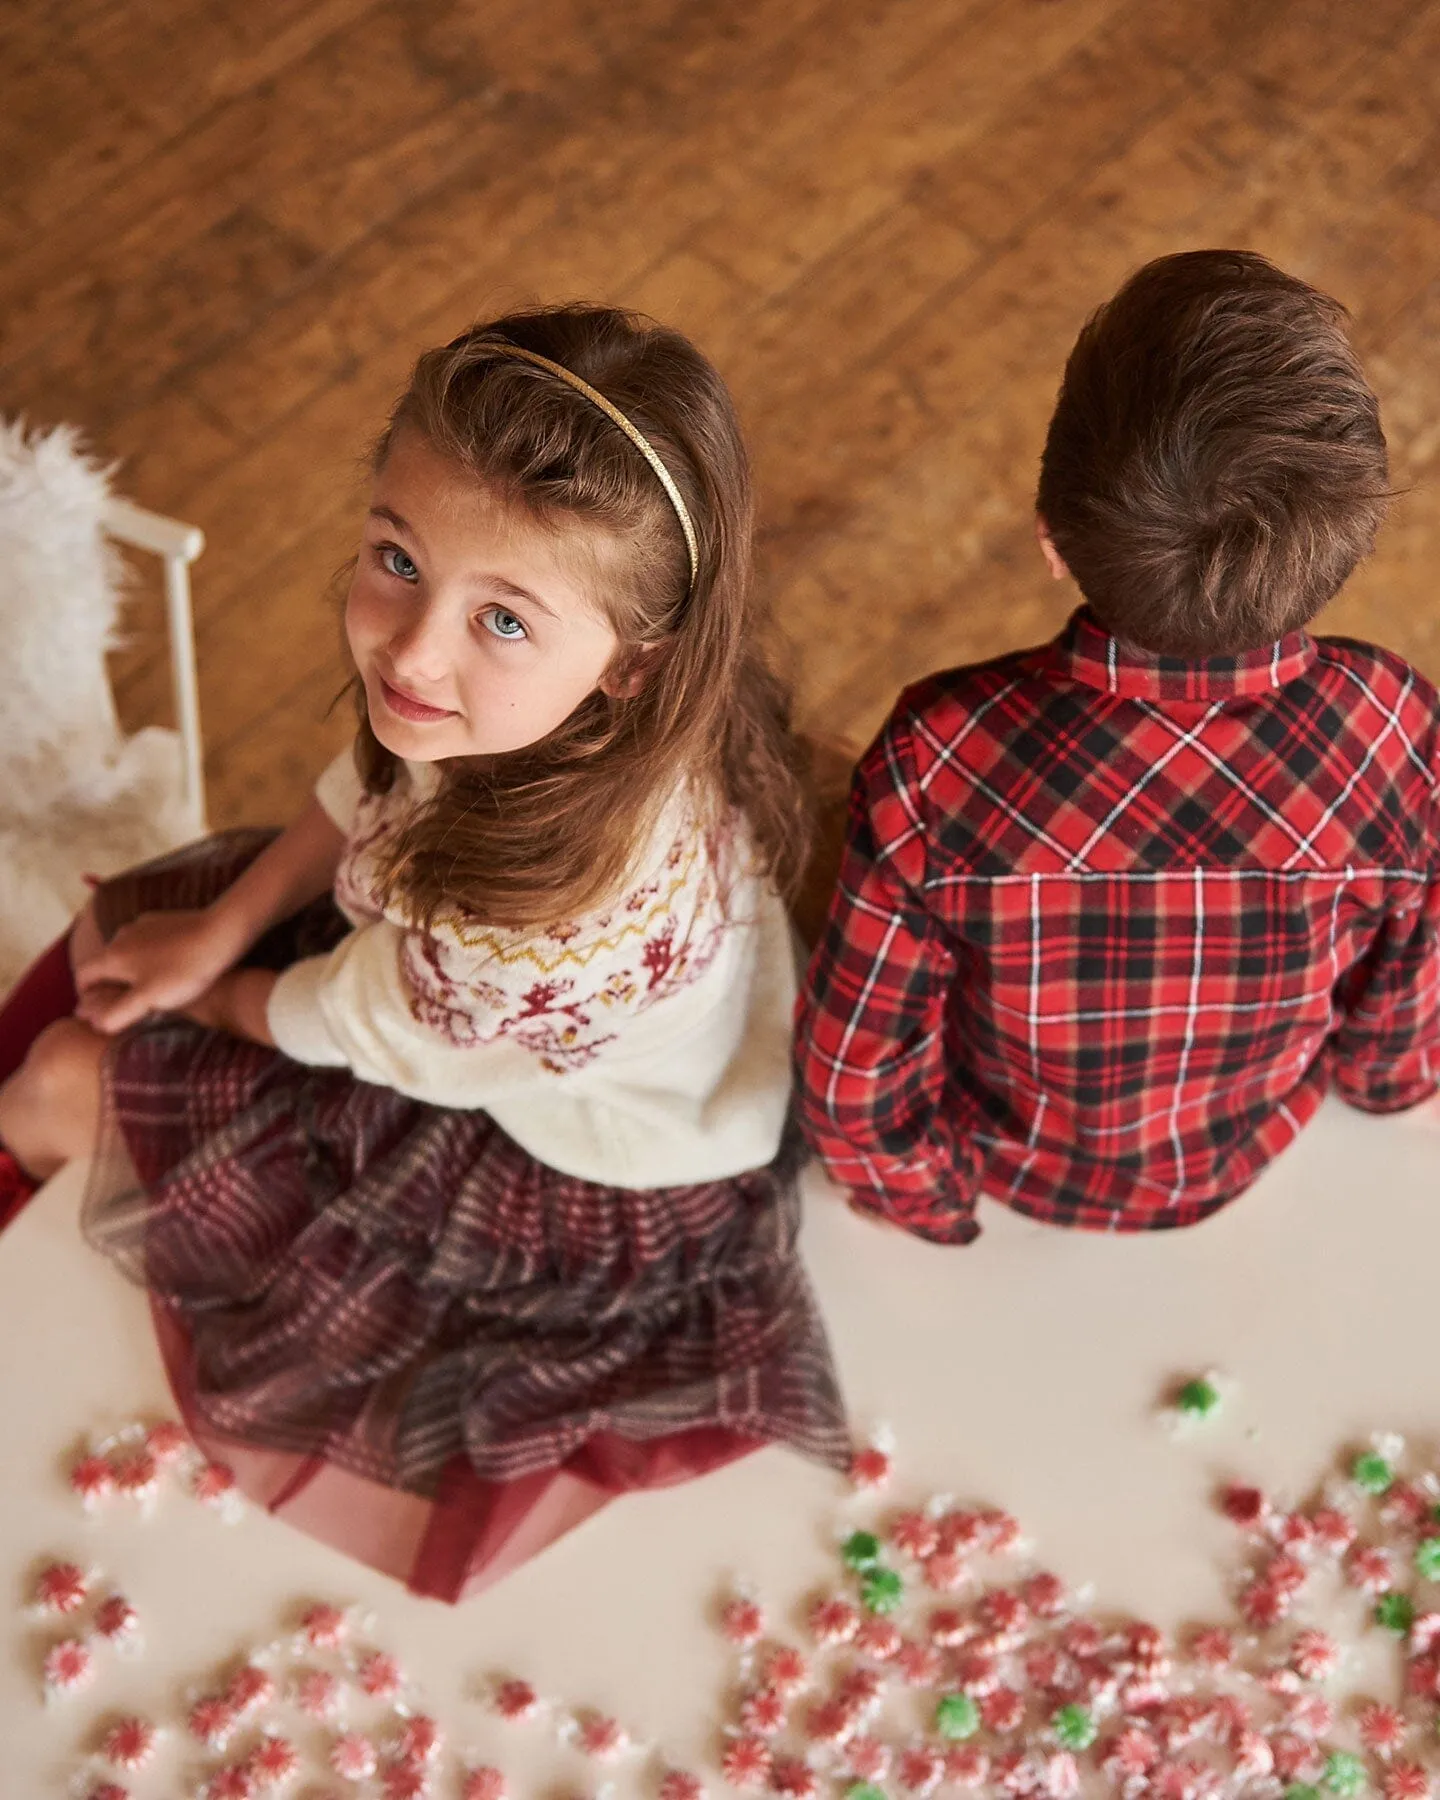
{"x": 63, "y": 1065}
{"x": 50, "y": 1106}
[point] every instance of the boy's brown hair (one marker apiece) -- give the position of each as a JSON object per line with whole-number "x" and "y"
{"x": 1215, "y": 466}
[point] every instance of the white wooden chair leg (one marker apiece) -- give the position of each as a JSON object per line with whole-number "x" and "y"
{"x": 177, "y": 545}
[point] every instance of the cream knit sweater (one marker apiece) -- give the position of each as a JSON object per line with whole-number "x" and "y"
{"x": 642, "y": 1045}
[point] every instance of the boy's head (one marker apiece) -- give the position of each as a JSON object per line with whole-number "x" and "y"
{"x": 1215, "y": 466}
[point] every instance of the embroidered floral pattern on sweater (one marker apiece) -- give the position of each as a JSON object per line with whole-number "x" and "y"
{"x": 562, "y": 992}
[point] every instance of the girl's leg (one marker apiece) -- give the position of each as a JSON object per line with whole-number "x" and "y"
{"x": 50, "y": 1107}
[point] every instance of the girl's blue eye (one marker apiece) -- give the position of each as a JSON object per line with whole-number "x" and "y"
{"x": 396, "y": 562}
{"x": 502, "y": 624}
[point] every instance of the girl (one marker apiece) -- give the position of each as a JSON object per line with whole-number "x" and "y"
{"x": 466, "y": 1198}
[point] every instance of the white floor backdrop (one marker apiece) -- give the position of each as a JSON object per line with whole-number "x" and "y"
{"x": 1024, "y": 1371}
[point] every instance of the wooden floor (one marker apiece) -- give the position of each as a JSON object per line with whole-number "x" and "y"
{"x": 226, "y": 230}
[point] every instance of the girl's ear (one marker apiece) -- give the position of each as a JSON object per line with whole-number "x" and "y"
{"x": 625, "y": 678}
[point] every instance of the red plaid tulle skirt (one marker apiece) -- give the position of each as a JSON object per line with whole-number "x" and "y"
{"x": 404, "y": 1333}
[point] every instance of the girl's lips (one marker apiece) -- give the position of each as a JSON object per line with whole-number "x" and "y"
{"x": 408, "y": 707}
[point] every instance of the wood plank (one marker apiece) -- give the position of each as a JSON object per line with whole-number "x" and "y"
{"x": 227, "y": 232}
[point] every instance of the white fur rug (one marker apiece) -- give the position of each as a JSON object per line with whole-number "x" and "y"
{"x": 75, "y": 796}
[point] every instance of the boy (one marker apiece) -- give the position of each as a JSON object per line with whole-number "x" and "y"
{"x": 1115, "y": 912}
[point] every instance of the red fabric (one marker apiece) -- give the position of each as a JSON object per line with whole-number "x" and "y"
{"x": 1109, "y": 924}
{"x": 44, "y": 993}
{"x": 473, "y": 1531}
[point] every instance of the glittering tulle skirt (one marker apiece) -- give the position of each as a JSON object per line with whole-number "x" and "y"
{"x": 402, "y": 1331}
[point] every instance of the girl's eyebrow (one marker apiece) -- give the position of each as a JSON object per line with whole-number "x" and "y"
{"x": 401, "y": 523}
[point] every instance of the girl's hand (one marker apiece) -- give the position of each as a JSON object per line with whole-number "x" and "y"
{"x": 158, "y": 963}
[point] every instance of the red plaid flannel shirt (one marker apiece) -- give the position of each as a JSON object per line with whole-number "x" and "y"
{"x": 1109, "y": 924}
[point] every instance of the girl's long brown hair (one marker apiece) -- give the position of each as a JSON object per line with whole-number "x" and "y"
{"x": 538, "y": 835}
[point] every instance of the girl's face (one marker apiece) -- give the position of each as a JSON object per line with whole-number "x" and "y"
{"x": 474, "y": 630}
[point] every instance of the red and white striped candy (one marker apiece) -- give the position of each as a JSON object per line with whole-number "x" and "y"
{"x": 833, "y": 1621}
{"x": 212, "y": 1721}
{"x": 793, "y": 1777}
{"x": 116, "y": 1619}
{"x": 866, "y": 1758}
{"x": 878, "y": 1638}
{"x": 1382, "y": 1727}
{"x": 213, "y": 1483}
{"x": 324, "y": 1627}
{"x": 250, "y": 1687}
{"x": 68, "y": 1666}
{"x": 742, "y": 1622}
{"x": 235, "y": 1782}
{"x": 1213, "y": 1647}
{"x": 920, "y": 1770}
{"x": 1370, "y": 1569}
{"x": 353, "y": 1756}
{"x": 602, "y": 1737}
{"x": 137, "y": 1476}
{"x": 1335, "y": 1531}
{"x": 1314, "y": 1655}
{"x": 93, "y": 1479}
{"x": 418, "y": 1740}
{"x": 129, "y": 1743}
{"x": 763, "y": 1711}
{"x": 914, "y": 1534}
{"x": 1406, "y": 1781}
{"x": 273, "y": 1760}
{"x": 515, "y": 1700}
{"x": 966, "y": 1766}
{"x": 1130, "y": 1752}
{"x": 380, "y": 1675}
{"x": 61, "y": 1587}
{"x": 871, "y": 1467}
{"x": 167, "y": 1442}
{"x": 747, "y": 1762}
{"x": 317, "y": 1693}
{"x": 786, "y": 1669}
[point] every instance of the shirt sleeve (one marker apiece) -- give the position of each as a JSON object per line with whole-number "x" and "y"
{"x": 870, "y": 1021}
{"x": 1385, "y": 1053}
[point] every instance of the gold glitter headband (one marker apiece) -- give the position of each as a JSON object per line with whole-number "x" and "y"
{"x": 633, "y": 432}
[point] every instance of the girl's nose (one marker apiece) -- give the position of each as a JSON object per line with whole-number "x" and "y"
{"x": 420, "y": 649}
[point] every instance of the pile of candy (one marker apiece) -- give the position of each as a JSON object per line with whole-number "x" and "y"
{"x": 136, "y": 1461}
{"x": 944, "y": 1660}
{"x": 941, "y": 1659}
{"x": 321, "y": 1699}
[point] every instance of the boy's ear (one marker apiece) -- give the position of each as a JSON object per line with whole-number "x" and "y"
{"x": 626, "y": 678}
{"x": 1054, "y": 561}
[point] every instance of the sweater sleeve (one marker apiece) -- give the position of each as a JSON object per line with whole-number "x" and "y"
{"x": 354, "y": 1008}
{"x": 339, "y": 790}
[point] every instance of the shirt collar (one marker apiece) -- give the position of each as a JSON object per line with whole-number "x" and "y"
{"x": 1088, "y": 653}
